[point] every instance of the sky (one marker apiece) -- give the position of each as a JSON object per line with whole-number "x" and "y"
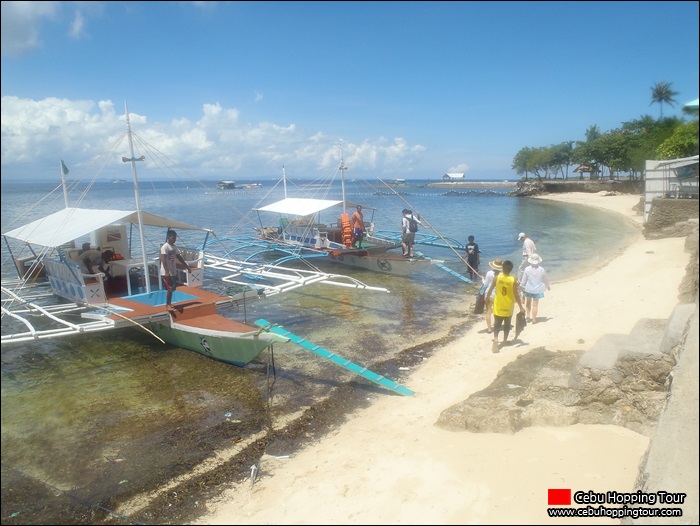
{"x": 236, "y": 90}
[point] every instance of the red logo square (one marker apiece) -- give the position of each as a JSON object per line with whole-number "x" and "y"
{"x": 559, "y": 497}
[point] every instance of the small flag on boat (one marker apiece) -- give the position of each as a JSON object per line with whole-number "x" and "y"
{"x": 64, "y": 168}
{"x": 129, "y": 159}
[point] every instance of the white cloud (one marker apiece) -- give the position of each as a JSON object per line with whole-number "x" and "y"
{"x": 21, "y": 24}
{"x": 37, "y": 132}
{"x": 459, "y": 168}
{"x": 77, "y": 25}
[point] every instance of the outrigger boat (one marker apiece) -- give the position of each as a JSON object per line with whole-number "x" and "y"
{"x": 52, "y": 297}
{"x": 300, "y": 233}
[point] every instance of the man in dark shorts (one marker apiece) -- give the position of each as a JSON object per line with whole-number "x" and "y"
{"x": 169, "y": 256}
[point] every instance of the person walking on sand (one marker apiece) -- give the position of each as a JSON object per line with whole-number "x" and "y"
{"x": 529, "y": 249}
{"x": 169, "y": 256}
{"x": 473, "y": 258}
{"x": 533, "y": 284}
{"x": 496, "y": 267}
{"x": 507, "y": 295}
{"x": 358, "y": 227}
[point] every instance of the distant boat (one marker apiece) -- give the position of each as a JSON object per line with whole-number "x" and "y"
{"x": 253, "y": 185}
{"x": 398, "y": 182}
{"x": 226, "y": 185}
{"x": 118, "y": 181}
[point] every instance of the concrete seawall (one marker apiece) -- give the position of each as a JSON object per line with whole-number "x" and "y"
{"x": 671, "y": 462}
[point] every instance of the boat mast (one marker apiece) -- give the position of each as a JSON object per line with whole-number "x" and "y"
{"x": 342, "y": 169}
{"x": 64, "y": 171}
{"x": 138, "y": 199}
{"x": 284, "y": 181}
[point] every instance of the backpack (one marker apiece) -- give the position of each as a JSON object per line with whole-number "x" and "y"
{"x": 412, "y": 224}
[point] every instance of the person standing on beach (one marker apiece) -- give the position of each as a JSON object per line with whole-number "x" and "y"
{"x": 473, "y": 258}
{"x": 169, "y": 256}
{"x": 529, "y": 249}
{"x": 496, "y": 267}
{"x": 358, "y": 227}
{"x": 534, "y": 283}
{"x": 507, "y": 295}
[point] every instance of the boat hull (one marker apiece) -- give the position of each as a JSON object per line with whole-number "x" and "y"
{"x": 194, "y": 324}
{"x": 396, "y": 266}
{"x": 234, "y": 348}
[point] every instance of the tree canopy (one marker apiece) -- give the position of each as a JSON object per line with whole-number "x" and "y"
{"x": 618, "y": 152}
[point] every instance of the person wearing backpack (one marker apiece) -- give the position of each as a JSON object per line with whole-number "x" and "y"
{"x": 409, "y": 227}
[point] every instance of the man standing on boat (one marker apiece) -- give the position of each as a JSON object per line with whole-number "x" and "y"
{"x": 169, "y": 256}
{"x": 409, "y": 227}
{"x": 358, "y": 227}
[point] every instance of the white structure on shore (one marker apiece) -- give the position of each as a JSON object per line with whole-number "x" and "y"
{"x": 674, "y": 178}
{"x": 456, "y": 177}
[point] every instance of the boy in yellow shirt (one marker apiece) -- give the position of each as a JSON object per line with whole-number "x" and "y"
{"x": 507, "y": 295}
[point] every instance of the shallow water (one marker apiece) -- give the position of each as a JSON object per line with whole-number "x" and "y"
{"x": 98, "y": 419}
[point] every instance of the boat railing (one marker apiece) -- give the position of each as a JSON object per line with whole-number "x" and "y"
{"x": 67, "y": 281}
{"x": 195, "y": 259}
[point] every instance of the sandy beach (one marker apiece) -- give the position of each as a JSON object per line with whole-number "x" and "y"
{"x": 390, "y": 464}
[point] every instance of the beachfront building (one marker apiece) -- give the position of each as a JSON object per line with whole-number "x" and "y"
{"x": 670, "y": 179}
{"x": 453, "y": 177}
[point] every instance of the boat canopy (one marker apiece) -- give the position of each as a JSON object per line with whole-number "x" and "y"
{"x": 71, "y": 223}
{"x": 299, "y": 206}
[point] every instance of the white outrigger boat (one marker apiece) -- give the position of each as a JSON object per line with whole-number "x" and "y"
{"x": 300, "y": 233}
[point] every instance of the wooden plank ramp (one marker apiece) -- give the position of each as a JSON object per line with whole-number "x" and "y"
{"x": 336, "y": 359}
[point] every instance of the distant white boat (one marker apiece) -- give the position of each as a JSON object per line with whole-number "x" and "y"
{"x": 118, "y": 181}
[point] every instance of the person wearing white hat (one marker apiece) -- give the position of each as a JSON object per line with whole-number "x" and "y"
{"x": 496, "y": 267}
{"x": 534, "y": 283}
{"x": 529, "y": 249}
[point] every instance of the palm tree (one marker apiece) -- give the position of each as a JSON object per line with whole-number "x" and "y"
{"x": 661, "y": 92}
{"x": 592, "y": 133}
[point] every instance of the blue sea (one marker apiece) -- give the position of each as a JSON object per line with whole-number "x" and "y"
{"x": 105, "y": 417}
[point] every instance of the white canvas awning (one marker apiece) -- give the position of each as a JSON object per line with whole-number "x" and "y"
{"x": 677, "y": 163}
{"x": 71, "y": 223}
{"x": 299, "y": 206}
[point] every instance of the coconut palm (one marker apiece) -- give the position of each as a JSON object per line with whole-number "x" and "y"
{"x": 661, "y": 92}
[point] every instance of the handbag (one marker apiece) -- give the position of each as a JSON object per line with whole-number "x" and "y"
{"x": 479, "y": 304}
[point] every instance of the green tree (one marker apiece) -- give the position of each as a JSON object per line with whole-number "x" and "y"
{"x": 683, "y": 142}
{"x": 661, "y": 92}
{"x": 592, "y": 133}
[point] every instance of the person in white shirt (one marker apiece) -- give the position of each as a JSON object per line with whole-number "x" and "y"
{"x": 496, "y": 267}
{"x": 408, "y": 238}
{"x": 534, "y": 283}
{"x": 529, "y": 249}
{"x": 92, "y": 261}
{"x": 169, "y": 256}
